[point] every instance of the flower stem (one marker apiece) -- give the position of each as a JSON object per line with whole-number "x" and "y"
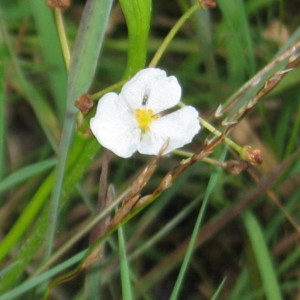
{"x": 62, "y": 36}
{"x": 172, "y": 33}
{"x": 216, "y": 132}
{"x": 207, "y": 160}
{"x": 110, "y": 88}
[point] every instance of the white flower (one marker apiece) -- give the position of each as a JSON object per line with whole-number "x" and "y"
{"x": 132, "y": 121}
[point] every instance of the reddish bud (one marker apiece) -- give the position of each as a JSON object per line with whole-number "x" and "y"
{"x": 208, "y": 3}
{"x": 64, "y": 4}
{"x": 84, "y": 103}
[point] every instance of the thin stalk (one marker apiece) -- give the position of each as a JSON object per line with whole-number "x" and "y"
{"x": 217, "y": 133}
{"x": 62, "y": 36}
{"x": 170, "y": 36}
{"x": 110, "y": 88}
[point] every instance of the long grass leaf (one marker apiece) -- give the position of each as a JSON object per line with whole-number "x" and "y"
{"x": 26, "y": 173}
{"x": 81, "y": 154}
{"x": 30, "y": 284}
{"x": 82, "y": 69}
{"x": 211, "y": 184}
{"x": 42, "y": 109}
{"x": 262, "y": 257}
{"x": 55, "y": 67}
{"x": 137, "y": 14}
{"x": 124, "y": 265}
{"x": 2, "y": 105}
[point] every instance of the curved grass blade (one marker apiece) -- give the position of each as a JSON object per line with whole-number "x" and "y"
{"x": 137, "y": 14}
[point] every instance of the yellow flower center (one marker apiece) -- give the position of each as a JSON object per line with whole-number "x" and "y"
{"x": 144, "y": 118}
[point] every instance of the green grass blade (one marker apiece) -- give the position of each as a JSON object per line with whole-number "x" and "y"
{"x": 55, "y": 66}
{"x": 239, "y": 46}
{"x": 262, "y": 257}
{"x": 26, "y": 173}
{"x": 218, "y": 291}
{"x": 2, "y": 106}
{"x": 28, "y": 285}
{"x": 137, "y": 14}
{"x": 125, "y": 272}
{"x": 82, "y": 69}
{"x": 211, "y": 184}
{"x": 82, "y": 153}
{"x": 41, "y": 108}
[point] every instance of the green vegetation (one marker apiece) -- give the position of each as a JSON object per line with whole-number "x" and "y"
{"x": 217, "y": 219}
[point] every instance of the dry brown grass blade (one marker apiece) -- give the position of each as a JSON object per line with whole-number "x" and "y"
{"x": 290, "y": 55}
{"x": 135, "y": 191}
{"x": 269, "y": 85}
{"x": 104, "y": 199}
{"x": 212, "y": 227}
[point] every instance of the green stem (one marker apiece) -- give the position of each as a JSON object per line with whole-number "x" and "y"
{"x": 208, "y": 160}
{"x": 110, "y": 88}
{"x": 62, "y": 36}
{"x": 170, "y": 36}
{"x": 216, "y": 132}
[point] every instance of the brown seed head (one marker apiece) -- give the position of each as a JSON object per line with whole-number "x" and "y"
{"x": 236, "y": 167}
{"x": 252, "y": 156}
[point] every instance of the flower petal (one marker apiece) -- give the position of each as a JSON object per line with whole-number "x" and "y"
{"x": 115, "y": 127}
{"x": 179, "y": 127}
{"x": 152, "y": 89}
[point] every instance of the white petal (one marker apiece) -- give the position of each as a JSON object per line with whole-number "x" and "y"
{"x": 114, "y": 126}
{"x": 179, "y": 127}
{"x": 153, "y": 89}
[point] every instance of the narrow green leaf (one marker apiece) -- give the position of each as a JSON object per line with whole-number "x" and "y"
{"x": 82, "y": 69}
{"x": 125, "y": 271}
{"x": 87, "y": 48}
{"x": 239, "y": 46}
{"x": 211, "y": 184}
{"x": 218, "y": 291}
{"x": 26, "y": 173}
{"x": 262, "y": 256}
{"x": 137, "y": 14}
{"x": 55, "y": 66}
{"x": 82, "y": 153}
{"x": 2, "y": 105}
{"x": 28, "y": 285}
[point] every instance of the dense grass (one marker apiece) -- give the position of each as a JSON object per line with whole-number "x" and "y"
{"x": 206, "y": 231}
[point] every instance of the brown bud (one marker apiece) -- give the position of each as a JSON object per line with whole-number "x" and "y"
{"x": 84, "y": 103}
{"x": 208, "y": 3}
{"x": 252, "y": 156}
{"x": 64, "y": 4}
{"x": 236, "y": 167}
